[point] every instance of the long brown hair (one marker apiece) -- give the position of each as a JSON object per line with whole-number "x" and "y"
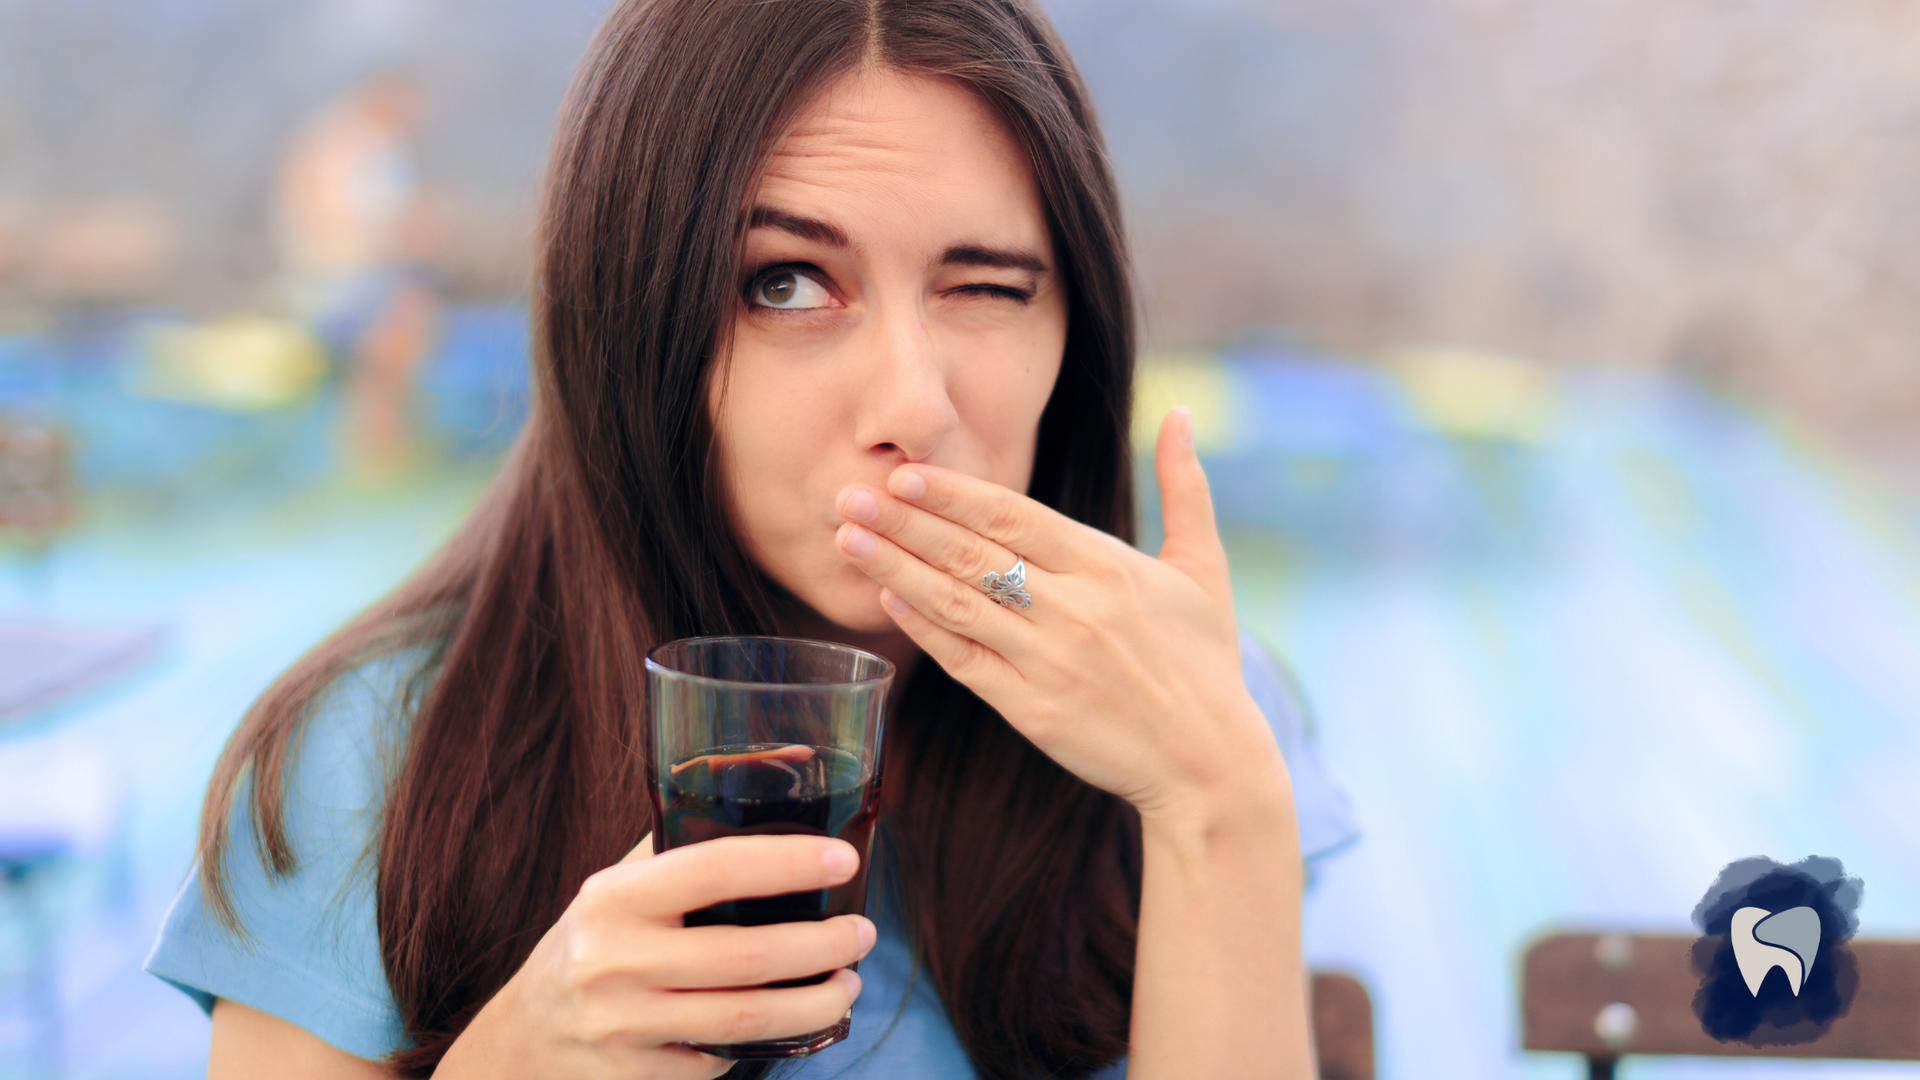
{"x": 604, "y": 534}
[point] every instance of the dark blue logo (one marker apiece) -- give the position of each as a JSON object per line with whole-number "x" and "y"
{"x": 1774, "y": 966}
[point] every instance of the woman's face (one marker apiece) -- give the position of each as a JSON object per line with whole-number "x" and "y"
{"x": 900, "y": 303}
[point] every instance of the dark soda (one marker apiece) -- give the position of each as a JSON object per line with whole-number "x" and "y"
{"x": 776, "y": 789}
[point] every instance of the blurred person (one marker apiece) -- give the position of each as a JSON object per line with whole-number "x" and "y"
{"x": 36, "y": 481}
{"x": 825, "y": 286}
{"x": 349, "y": 222}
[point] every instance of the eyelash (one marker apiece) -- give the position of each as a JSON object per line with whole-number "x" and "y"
{"x": 1019, "y": 296}
{"x": 1003, "y": 292}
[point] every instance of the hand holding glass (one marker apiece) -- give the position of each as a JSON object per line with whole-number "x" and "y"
{"x": 767, "y": 736}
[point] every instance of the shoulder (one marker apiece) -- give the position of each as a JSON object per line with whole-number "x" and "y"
{"x": 309, "y": 949}
{"x": 348, "y": 745}
{"x": 1325, "y": 811}
{"x": 345, "y": 752}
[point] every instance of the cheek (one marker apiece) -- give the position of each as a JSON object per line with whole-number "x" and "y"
{"x": 1001, "y": 393}
{"x": 764, "y": 446}
{"x": 776, "y": 438}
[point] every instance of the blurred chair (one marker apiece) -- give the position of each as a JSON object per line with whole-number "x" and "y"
{"x": 1607, "y": 995}
{"x": 1342, "y": 1026}
{"x": 60, "y": 800}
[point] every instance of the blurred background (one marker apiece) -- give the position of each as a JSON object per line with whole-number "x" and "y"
{"x": 1557, "y": 366}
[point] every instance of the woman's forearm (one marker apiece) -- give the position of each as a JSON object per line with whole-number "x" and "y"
{"x": 1218, "y": 985}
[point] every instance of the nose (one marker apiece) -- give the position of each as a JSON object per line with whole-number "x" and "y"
{"x": 905, "y": 410}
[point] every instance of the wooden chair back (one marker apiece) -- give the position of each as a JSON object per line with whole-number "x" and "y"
{"x": 1606, "y": 995}
{"x": 1342, "y": 1026}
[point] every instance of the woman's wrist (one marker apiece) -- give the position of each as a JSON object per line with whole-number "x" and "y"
{"x": 1241, "y": 787}
{"x": 1218, "y": 958}
{"x": 1253, "y": 806}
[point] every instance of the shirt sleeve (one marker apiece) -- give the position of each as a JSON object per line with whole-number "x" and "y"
{"x": 1327, "y": 820}
{"x": 310, "y": 953}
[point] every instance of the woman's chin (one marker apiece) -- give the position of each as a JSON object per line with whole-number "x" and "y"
{"x": 854, "y": 609}
{"x": 869, "y": 621}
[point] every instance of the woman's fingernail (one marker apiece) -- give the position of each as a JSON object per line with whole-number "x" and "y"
{"x": 1184, "y": 425}
{"x": 868, "y": 935}
{"x": 857, "y": 542}
{"x": 894, "y": 603}
{"x": 840, "y": 860}
{"x": 851, "y": 978}
{"x": 907, "y": 484}
{"x": 861, "y": 505}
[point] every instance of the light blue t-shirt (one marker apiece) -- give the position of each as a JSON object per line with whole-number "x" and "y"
{"x": 311, "y": 954}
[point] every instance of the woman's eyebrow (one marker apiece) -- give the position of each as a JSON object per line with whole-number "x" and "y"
{"x": 975, "y": 255}
{"x": 821, "y": 232}
{"x": 806, "y": 228}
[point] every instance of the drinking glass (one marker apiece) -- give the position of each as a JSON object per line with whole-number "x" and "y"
{"x": 765, "y": 735}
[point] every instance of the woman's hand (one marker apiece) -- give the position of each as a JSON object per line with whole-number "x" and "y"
{"x": 618, "y": 984}
{"x": 1125, "y": 668}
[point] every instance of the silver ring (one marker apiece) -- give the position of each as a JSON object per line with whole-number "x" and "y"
{"x": 1009, "y": 589}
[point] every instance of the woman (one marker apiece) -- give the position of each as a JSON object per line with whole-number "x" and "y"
{"x": 825, "y": 284}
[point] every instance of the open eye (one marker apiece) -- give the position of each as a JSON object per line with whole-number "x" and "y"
{"x": 788, "y": 290}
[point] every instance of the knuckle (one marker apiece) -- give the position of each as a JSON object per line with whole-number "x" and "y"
{"x": 889, "y": 563}
{"x": 827, "y": 948}
{"x": 593, "y": 897}
{"x": 595, "y": 884}
{"x": 972, "y": 658}
{"x": 712, "y": 877}
{"x": 849, "y": 950}
{"x": 953, "y": 604}
{"x": 583, "y": 954}
{"x": 1003, "y": 517}
{"x": 894, "y": 516}
{"x": 938, "y": 497}
{"x": 748, "y": 957}
{"x": 886, "y": 557}
{"x": 747, "y": 1019}
{"x": 963, "y": 552}
{"x": 845, "y": 993}
{"x": 850, "y": 946}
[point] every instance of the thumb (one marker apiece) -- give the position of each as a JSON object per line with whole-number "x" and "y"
{"x": 1186, "y": 505}
{"x": 641, "y": 851}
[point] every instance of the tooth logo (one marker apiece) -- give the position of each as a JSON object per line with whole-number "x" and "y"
{"x": 1764, "y": 940}
{"x": 1761, "y": 914}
